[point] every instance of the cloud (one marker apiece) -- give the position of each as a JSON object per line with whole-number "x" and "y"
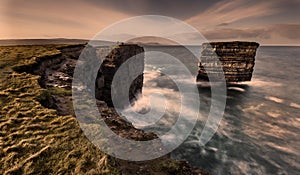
{"x": 290, "y": 31}
{"x": 226, "y": 12}
{"x": 284, "y": 33}
{"x": 223, "y": 24}
{"x": 175, "y": 8}
{"x": 51, "y": 19}
{"x": 66, "y": 18}
{"x": 250, "y": 20}
{"x": 231, "y": 33}
{"x": 267, "y": 21}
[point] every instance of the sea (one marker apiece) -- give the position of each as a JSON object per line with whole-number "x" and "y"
{"x": 259, "y": 131}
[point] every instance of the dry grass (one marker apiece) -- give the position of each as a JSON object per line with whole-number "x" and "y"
{"x": 34, "y": 139}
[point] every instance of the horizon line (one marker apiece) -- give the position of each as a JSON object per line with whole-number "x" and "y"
{"x": 83, "y": 39}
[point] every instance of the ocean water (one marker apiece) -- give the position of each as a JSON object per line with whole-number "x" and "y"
{"x": 259, "y": 131}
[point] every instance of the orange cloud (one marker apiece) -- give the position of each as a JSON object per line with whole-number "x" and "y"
{"x": 36, "y": 19}
{"x": 229, "y": 12}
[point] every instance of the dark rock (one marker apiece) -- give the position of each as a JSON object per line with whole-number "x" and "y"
{"x": 110, "y": 66}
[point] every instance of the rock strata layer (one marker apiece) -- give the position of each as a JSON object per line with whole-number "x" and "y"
{"x": 236, "y": 59}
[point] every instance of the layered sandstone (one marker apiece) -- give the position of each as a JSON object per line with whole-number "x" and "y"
{"x": 236, "y": 59}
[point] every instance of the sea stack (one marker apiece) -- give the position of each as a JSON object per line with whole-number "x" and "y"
{"x": 236, "y": 59}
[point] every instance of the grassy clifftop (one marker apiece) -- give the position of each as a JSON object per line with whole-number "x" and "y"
{"x": 36, "y": 140}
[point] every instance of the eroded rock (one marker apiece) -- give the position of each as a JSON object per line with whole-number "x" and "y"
{"x": 111, "y": 63}
{"x": 237, "y": 60}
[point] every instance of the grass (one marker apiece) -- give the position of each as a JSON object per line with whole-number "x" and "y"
{"x": 60, "y": 91}
{"x": 34, "y": 139}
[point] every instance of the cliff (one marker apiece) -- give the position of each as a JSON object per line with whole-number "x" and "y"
{"x": 236, "y": 58}
{"x": 39, "y": 130}
{"x": 110, "y": 65}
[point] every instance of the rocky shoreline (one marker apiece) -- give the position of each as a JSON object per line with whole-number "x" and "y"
{"x": 56, "y": 72}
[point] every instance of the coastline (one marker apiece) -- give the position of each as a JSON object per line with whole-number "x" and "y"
{"x": 59, "y": 130}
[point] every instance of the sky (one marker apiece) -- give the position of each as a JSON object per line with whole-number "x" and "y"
{"x": 269, "y": 22}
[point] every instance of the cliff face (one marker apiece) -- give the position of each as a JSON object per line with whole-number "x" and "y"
{"x": 237, "y": 60}
{"x": 112, "y": 62}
